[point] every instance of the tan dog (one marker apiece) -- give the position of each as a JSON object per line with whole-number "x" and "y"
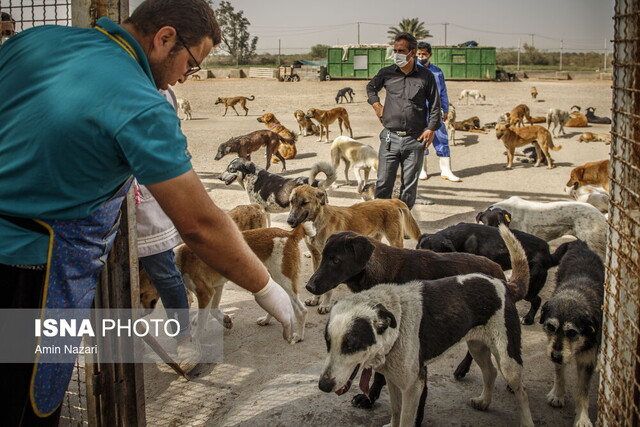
{"x": 592, "y": 173}
{"x": 577, "y": 119}
{"x": 287, "y": 150}
{"x": 356, "y": 156}
{"x": 594, "y": 137}
{"x": 536, "y": 119}
{"x": 305, "y": 126}
{"x": 248, "y": 217}
{"x": 518, "y": 114}
{"x": 246, "y": 144}
{"x": 185, "y": 107}
{"x": 513, "y": 137}
{"x": 449, "y": 123}
{"x": 232, "y": 102}
{"x": 534, "y": 92}
{"x": 389, "y": 218}
{"x": 467, "y": 125}
{"x": 326, "y": 117}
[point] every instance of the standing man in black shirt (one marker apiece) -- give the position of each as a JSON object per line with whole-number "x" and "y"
{"x": 406, "y": 133}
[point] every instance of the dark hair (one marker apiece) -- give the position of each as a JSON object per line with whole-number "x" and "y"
{"x": 413, "y": 43}
{"x": 193, "y": 19}
{"x": 424, "y": 45}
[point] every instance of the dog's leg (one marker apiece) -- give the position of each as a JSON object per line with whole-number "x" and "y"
{"x": 395, "y": 396}
{"x": 538, "y": 154}
{"x": 366, "y": 402}
{"x": 410, "y": 401}
{"x": 463, "y": 367}
{"x": 347, "y": 166}
{"x": 585, "y": 371}
{"x": 510, "y": 151}
{"x": 299, "y": 310}
{"x": 482, "y": 355}
{"x": 340, "y": 125}
{"x": 216, "y": 311}
{"x": 284, "y": 163}
{"x": 531, "y": 315}
{"x": 321, "y": 132}
{"x": 234, "y": 109}
{"x": 226, "y": 107}
{"x": 512, "y": 373}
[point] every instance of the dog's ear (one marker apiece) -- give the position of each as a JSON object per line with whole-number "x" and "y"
{"x": 301, "y": 180}
{"x": 579, "y": 173}
{"x": 323, "y": 198}
{"x": 385, "y": 319}
{"x": 480, "y": 217}
{"x": 362, "y": 248}
{"x": 448, "y": 245}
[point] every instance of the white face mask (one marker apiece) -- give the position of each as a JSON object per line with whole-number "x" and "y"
{"x": 400, "y": 59}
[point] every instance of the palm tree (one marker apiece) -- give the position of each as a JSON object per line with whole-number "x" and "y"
{"x": 411, "y": 26}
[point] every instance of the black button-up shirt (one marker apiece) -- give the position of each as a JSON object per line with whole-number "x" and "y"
{"x": 405, "y": 105}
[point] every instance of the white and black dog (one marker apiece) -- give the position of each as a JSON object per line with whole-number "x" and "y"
{"x": 269, "y": 190}
{"x": 572, "y": 320}
{"x": 399, "y": 330}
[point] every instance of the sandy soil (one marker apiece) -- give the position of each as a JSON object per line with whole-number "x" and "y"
{"x": 264, "y": 381}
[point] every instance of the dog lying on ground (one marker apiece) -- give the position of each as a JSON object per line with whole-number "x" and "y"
{"x": 326, "y": 117}
{"x": 592, "y": 118}
{"x": 270, "y": 191}
{"x": 550, "y": 221}
{"x": 572, "y": 321}
{"x": 280, "y": 253}
{"x": 246, "y": 144}
{"x": 536, "y": 119}
{"x": 342, "y": 93}
{"x": 287, "y": 150}
{"x": 518, "y": 114}
{"x": 185, "y": 107}
{"x": 355, "y": 155}
{"x": 595, "y": 137}
{"x": 449, "y": 124}
{"x": 577, "y": 119}
{"x": 591, "y": 173}
{"x": 475, "y": 94}
{"x": 389, "y": 218}
{"x": 486, "y": 241}
{"x": 362, "y": 262}
{"x": 399, "y": 330}
{"x": 534, "y": 92}
{"x": 305, "y": 126}
{"x": 232, "y": 102}
{"x": 595, "y": 196}
{"x": 559, "y": 118}
{"x": 468, "y": 125}
{"x": 513, "y": 137}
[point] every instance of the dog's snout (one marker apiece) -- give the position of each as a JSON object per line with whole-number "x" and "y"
{"x": 311, "y": 287}
{"x": 326, "y": 383}
{"x": 556, "y": 357}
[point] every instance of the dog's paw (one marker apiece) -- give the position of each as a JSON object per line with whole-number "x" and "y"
{"x": 263, "y": 321}
{"x": 324, "y": 309}
{"x": 227, "y": 322}
{"x": 526, "y": 320}
{"x": 312, "y": 302}
{"x": 583, "y": 422}
{"x": 307, "y": 254}
{"x": 479, "y": 404}
{"x": 361, "y": 401}
{"x": 555, "y": 401}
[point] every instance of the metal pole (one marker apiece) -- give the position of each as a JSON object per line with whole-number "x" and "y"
{"x": 278, "y": 52}
{"x": 445, "y": 32}
{"x": 604, "y": 65}
{"x": 358, "y": 34}
{"x": 518, "y": 68}
{"x": 561, "y": 46}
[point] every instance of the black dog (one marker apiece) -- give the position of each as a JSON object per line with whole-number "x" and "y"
{"x": 269, "y": 190}
{"x": 592, "y": 118}
{"x": 494, "y": 216}
{"x": 342, "y": 93}
{"x": 361, "y": 263}
{"x": 572, "y": 320}
{"x": 486, "y": 241}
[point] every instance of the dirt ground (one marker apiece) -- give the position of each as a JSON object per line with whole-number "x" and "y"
{"x": 265, "y": 382}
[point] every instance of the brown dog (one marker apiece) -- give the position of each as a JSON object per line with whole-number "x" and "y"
{"x": 231, "y": 102}
{"x": 246, "y": 144}
{"x": 248, "y": 217}
{"x": 288, "y": 151}
{"x": 592, "y": 173}
{"x": 467, "y": 125}
{"x": 536, "y": 119}
{"x": 326, "y": 117}
{"x": 577, "y": 119}
{"x": 389, "y": 218}
{"x": 513, "y": 137}
{"x": 534, "y": 92}
{"x": 305, "y": 126}
{"x": 590, "y": 136}
{"x": 518, "y": 114}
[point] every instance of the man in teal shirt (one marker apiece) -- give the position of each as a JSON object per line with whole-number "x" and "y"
{"x": 79, "y": 114}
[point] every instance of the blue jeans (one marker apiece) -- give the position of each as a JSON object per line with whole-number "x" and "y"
{"x": 164, "y": 275}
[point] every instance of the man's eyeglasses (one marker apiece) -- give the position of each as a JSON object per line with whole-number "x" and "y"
{"x": 192, "y": 69}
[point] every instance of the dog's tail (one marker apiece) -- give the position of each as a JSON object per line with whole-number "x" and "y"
{"x": 251, "y": 98}
{"x": 409, "y": 224}
{"x": 289, "y": 141}
{"x": 325, "y": 168}
{"x": 550, "y": 142}
{"x": 518, "y": 284}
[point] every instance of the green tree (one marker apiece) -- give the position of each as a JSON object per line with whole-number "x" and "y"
{"x": 234, "y": 26}
{"x": 412, "y": 26}
{"x": 533, "y": 56}
{"x": 319, "y": 51}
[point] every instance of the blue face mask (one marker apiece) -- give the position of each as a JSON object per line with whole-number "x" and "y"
{"x": 400, "y": 59}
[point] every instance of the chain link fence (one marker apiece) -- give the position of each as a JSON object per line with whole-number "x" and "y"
{"x": 619, "y": 393}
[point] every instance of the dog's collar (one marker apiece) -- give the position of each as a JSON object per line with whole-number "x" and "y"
{"x": 274, "y": 126}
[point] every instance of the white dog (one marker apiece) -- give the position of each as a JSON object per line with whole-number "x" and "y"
{"x": 356, "y": 156}
{"x": 552, "y": 220}
{"x": 596, "y": 196}
{"x": 558, "y": 117}
{"x": 451, "y": 131}
{"x": 471, "y": 93}
{"x": 185, "y": 107}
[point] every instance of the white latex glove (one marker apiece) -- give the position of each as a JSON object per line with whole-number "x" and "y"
{"x": 275, "y": 301}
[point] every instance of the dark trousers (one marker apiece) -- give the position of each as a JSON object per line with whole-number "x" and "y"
{"x": 396, "y": 151}
{"x": 20, "y": 288}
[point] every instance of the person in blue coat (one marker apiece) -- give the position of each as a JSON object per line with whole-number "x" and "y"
{"x": 441, "y": 138}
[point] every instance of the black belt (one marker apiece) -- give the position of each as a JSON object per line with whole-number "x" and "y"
{"x": 26, "y": 223}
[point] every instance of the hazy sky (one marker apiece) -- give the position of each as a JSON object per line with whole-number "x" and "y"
{"x": 583, "y": 25}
